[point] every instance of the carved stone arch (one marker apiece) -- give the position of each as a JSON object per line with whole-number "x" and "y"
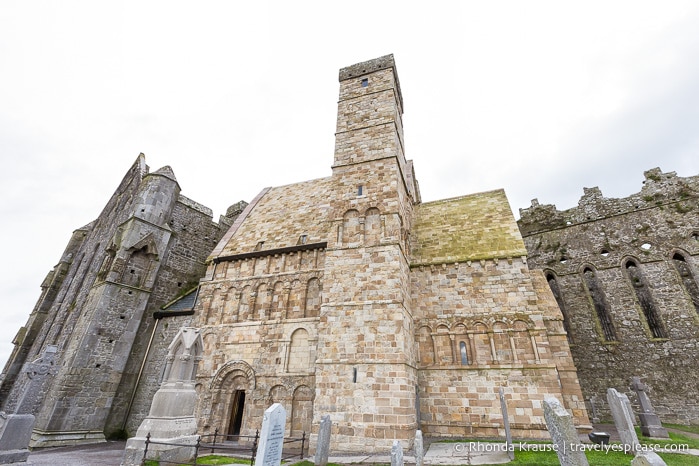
{"x": 644, "y": 297}
{"x": 425, "y": 345}
{"x": 522, "y": 341}
{"x": 372, "y": 227}
{"x": 228, "y": 369}
{"x": 501, "y": 341}
{"x": 555, "y": 287}
{"x": 294, "y": 307}
{"x": 278, "y": 394}
{"x": 229, "y": 309}
{"x": 483, "y": 353}
{"x": 301, "y": 410}
{"x": 299, "y": 356}
{"x": 351, "y": 231}
{"x": 262, "y": 298}
{"x": 146, "y": 244}
{"x": 278, "y": 301}
{"x": 687, "y": 275}
{"x": 598, "y": 300}
{"x": 313, "y": 297}
{"x": 443, "y": 346}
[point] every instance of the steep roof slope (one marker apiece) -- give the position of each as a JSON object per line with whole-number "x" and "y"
{"x": 474, "y": 227}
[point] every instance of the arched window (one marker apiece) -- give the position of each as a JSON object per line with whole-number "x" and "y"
{"x": 600, "y": 304}
{"x": 645, "y": 299}
{"x": 464, "y": 353}
{"x": 555, "y": 289}
{"x": 687, "y": 278}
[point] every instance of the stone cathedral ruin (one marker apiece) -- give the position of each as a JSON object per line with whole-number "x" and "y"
{"x": 348, "y": 296}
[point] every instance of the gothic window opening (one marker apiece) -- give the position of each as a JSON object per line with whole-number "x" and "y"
{"x": 365, "y": 82}
{"x": 645, "y": 299}
{"x": 556, "y": 290}
{"x": 600, "y": 304}
{"x": 687, "y": 278}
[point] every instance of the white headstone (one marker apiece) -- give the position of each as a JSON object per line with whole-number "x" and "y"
{"x": 269, "y": 451}
{"x": 419, "y": 449}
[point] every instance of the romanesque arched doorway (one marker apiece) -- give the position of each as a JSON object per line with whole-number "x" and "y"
{"x": 231, "y": 389}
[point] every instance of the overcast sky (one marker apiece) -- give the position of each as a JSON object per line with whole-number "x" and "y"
{"x": 539, "y": 98}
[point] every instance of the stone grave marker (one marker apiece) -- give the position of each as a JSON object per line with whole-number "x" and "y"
{"x": 648, "y": 458}
{"x": 419, "y": 449}
{"x": 650, "y": 422}
{"x": 506, "y": 420}
{"x": 269, "y": 451}
{"x": 623, "y": 420}
{"x": 323, "y": 446}
{"x": 397, "y": 454}
{"x": 565, "y": 438}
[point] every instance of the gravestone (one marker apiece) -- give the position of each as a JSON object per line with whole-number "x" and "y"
{"x": 559, "y": 423}
{"x": 419, "y": 449}
{"x": 269, "y": 451}
{"x": 323, "y": 446}
{"x": 506, "y": 420}
{"x": 397, "y": 454}
{"x": 15, "y": 432}
{"x": 37, "y": 371}
{"x": 648, "y": 458}
{"x": 650, "y": 422}
{"x": 593, "y": 406}
{"x": 623, "y": 420}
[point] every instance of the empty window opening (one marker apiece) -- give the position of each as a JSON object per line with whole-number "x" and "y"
{"x": 303, "y": 239}
{"x": 259, "y": 246}
{"x": 360, "y": 190}
{"x": 563, "y": 259}
{"x": 600, "y": 304}
{"x": 604, "y": 253}
{"x": 354, "y": 375}
{"x": 365, "y": 82}
{"x": 687, "y": 279}
{"x": 556, "y": 290}
{"x": 646, "y": 246}
{"x": 644, "y": 298}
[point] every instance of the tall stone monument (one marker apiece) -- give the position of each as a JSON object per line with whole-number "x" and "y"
{"x": 171, "y": 417}
{"x": 650, "y": 422}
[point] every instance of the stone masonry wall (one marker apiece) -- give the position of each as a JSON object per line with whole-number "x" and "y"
{"x": 646, "y": 247}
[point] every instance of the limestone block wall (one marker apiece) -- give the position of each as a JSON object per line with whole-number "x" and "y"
{"x": 481, "y": 325}
{"x": 625, "y": 275}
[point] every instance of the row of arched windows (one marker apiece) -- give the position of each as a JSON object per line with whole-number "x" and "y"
{"x": 643, "y": 296}
{"x": 282, "y": 300}
{"x": 478, "y": 344}
{"x": 356, "y": 229}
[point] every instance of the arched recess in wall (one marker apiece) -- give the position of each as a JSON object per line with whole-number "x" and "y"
{"x": 522, "y": 342}
{"x": 312, "y": 307}
{"x": 599, "y": 303}
{"x": 501, "y": 339}
{"x": 138, "y": 267}
{"x": 261, "y": 302}
{"x": 244, "y": 304}
{"x": 442, "y": 344}
{"x": 687, "y": 278}
{"x": 558, "y": 295}
{"x": 463, "y": 346}
{"x": 294, "y": 308}
{"x": 277, "y": 304}
{"x": 230, "y": 386}
{"x": 425, "y": 347}
{"x": 372, "y": 227}
{"x": 299, "y": 352}
{"x": 644, "y": 299}
{"x": 229, "y": 312}
{"x": 351, "y": 232}
{"x": 277, "y": 394}
{"x": 481, "y": 344}
{"x": 301, "y": 411}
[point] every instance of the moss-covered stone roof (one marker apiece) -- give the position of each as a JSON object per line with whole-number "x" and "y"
{"x": 474, "y": 227}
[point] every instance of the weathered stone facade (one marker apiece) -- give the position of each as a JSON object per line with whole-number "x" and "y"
{"x": 97, "y": 308}
{"x": 344, "y": 296}
{"x": 347, "y": 296}
{"x": 624, "y": 272}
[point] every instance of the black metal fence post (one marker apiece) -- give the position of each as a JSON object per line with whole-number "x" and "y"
{"x": 254, "y": 448}
{"x": 145, "y": 449}
{"x": 214, "y": 444}
{"x": 303, "y": 443}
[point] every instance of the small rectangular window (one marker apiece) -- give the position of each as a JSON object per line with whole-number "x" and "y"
{"x": 365, "y": 82}
{"x": 303, "y": 239}
{"x": 360, "y": 190}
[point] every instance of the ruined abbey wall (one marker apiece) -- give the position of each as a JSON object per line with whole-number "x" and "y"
{"x": 625, "y": 274}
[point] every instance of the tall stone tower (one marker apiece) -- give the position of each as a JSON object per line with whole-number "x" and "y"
{"x": 365, "y": 369}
